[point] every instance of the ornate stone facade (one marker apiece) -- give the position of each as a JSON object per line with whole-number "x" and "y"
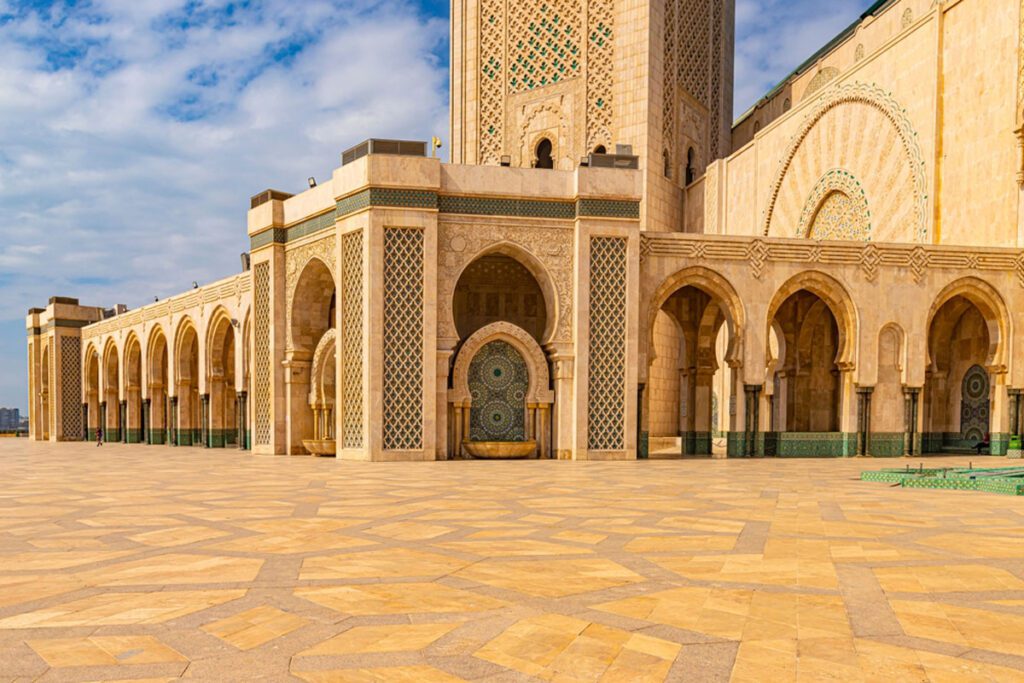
{"x": 839, "y": 278}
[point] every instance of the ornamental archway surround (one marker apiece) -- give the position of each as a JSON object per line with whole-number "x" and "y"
{"x": 891, "y": 171}
{"x": 536, "y": 398}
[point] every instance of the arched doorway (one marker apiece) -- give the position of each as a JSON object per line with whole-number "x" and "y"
{"x": 500, "y": 401}
{"x": 92, "y": 392}
{"x": 813, "y": 323}
{"x": 313, "y": 314}
{"x": 188, "y": 412}
{"x": 958, "y": 388}
{"x": 134, "y": 418}
{"x": 159, "y": 406}
{"x": 220, "y": 382}
{"x": 505, "y": 291}
{"x": 111, "y": 406}
{"x": 322, "y": 394}
{"x": 693, "y": 367}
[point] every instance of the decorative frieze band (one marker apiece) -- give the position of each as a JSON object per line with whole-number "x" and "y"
{"x": 870, "y": 256}
{"x": 554, "y": 209}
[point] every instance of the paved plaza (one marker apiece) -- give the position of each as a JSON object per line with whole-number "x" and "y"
{"x": 153, "y": 563}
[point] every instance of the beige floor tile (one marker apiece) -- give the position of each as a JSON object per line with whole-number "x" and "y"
{"x": 946, "y": 579}
{"x": 104, "y": 651}
{"x": 119, "y": 609}
{"x": 398, "y": 598}
{"x": 550, "y": 578}
{"x": 391, "y": 674}
{"x": 255, "y": 627}
{"x": 385, "y": 563}
{"x": 376, "y": 639}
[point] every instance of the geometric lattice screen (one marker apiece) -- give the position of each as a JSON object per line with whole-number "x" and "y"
{"x": 606, "y": 406}
{"x": 71, "y": 387}
{"x": 403, "y": 339}
{"x": 526, "y": 45}
{"x": 352, "y": 339}
{"x": 262, "y": 426}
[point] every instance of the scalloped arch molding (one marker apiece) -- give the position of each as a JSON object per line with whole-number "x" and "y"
{"x": 832, "y": 136}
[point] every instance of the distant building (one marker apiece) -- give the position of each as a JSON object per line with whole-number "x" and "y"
{"x": 10, "y": 419}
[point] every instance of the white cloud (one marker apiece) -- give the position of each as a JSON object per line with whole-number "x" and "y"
{"x": 125, "y": 173}
{"x": 773, "y": 37}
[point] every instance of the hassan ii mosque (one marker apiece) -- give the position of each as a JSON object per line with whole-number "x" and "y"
{"x": 611, "y": 266}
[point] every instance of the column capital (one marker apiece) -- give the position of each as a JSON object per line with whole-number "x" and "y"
{"x": 865, "y": 389}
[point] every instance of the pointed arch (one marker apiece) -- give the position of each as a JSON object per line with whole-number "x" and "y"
{"x": 719, "y": 289}
{"x": 839, "y": 302}
{"x": 533, "y": 265}
{"x": 992, "y": 308}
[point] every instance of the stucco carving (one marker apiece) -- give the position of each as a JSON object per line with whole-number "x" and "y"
{"x": 905, "y": 137}
{"x": 461, "y": 243}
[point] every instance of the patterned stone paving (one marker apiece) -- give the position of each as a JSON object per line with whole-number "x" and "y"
{"x": 155, "y": 563}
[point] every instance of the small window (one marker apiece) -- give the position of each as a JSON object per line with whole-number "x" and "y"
{"x": 757, "y": 127}
{"x": 786, "y": 105}
{"x": 544, "y": 159}
{"x": 691, "y": 165}
{"x": 666, "y": 164}
{"x": 600, "y": 150}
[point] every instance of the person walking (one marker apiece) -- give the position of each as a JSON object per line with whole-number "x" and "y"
{"x": 99, "y": 437}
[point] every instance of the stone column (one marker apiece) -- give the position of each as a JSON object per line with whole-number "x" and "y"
{"x": 144, "y": 424}
{"x": 241, "y": 422}
{"x": 751, "y": 418}
{"x": 174, "y": 421}
{"x": 122, "y": 422}
{"x": 204, "y": 420}
{"x": 910, "y": 398}
{"x": 563, "y": 414}
{"x": 863, "y": 420}
{"x": 1014, "y": 405}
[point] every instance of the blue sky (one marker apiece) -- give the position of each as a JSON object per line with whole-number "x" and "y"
{"x": 132, "y": 132}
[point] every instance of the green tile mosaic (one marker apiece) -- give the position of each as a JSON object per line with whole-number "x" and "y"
{"x": 607, "y": 208}
{"x": 1001, "y": 480}
{"x": 311, "y": 226}
{"x": 643, "y": 448}
{"x": 735, "y": 444}
{"x": 696, "y": 443}
{"x": 886, "y": 444}
{"x": 271, "y": 236}
{"x": 816, "y": 444}
{"x": 353, "y": 202}
{"x": 496, "y": 206}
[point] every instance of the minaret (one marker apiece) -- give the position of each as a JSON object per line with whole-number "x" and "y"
{"x": 546, "y": 82}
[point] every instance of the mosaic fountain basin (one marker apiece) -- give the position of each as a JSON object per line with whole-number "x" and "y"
{"x": 320, "y": 446}
{"x": 500, "y": 450}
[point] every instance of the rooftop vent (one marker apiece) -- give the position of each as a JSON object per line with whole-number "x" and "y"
{"x": 405, "y": 148}
{"x": 614, "y": 161}
{"x": 266, "y": 196}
